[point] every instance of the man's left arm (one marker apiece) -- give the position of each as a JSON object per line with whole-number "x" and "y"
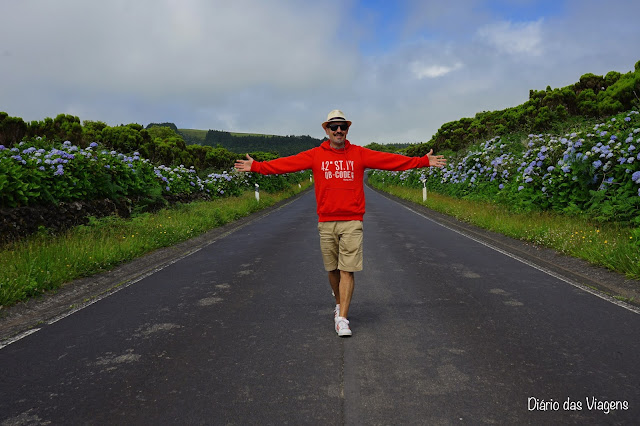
{"x": 388, "y": 161}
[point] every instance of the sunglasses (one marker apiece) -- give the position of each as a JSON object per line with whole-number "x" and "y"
{"x": 341, "y": 126}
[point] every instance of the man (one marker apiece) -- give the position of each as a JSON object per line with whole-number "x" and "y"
{"x": 338, "y": 171}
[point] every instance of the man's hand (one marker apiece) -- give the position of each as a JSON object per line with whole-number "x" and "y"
{"x": 436, "y": 160}
{"x": 245, "y": 165}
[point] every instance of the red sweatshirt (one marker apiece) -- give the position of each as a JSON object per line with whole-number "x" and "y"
{"x": 338, "y": 175}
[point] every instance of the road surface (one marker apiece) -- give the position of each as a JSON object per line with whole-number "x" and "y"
{"x": 446, "y": 330}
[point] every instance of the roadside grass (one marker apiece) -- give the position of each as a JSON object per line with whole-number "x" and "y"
{"x": 44, "y": 262}
{"x": 603, "y": 244}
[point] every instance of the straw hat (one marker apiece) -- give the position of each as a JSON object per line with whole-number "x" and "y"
{"x": 335, "y": 115}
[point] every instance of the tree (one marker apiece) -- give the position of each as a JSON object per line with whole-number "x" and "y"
{"x": 220, "y": 158}
{"x": 172, "y": 126}
{"x": 162, "y": 132}
{"x": 587, "y": 104}
{"x": 125, "y": 139}
{"x": 589, "y": 81}
{"x": 12, "y": 129}
{"x": 92, "y": 131}
{"x": 63, "y": 128}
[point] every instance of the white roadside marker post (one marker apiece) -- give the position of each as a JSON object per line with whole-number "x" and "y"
{"x": 424, "y": 190}
{"x": 257, "y": 192}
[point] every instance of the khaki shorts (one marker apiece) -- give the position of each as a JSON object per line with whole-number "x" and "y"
{"x": 341, "y": 245}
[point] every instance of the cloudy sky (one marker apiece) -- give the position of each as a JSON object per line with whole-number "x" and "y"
{"x": 398, "y": 69}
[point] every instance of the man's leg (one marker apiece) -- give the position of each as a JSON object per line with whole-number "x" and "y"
{"x": 342, "y": 284}
{"x": 347, "y": 283}
{"x": 334, "y": 281}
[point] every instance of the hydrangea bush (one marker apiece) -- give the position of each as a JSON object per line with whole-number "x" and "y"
{"x": 595, "y": 172}
{"x": 41, "y": 172}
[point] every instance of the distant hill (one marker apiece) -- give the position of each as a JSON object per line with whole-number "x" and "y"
{"x": 198, "y": 136}
{"x": 241, "y": 143}
{"x": 193, "y": 136}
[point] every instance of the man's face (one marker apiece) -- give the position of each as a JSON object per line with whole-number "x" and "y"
{"x": 337, "y": 133}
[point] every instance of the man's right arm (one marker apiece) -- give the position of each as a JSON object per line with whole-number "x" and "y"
{"x": 293, "y": 163}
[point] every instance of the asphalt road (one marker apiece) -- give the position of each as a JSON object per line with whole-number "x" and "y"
{"x": 446, "y": 330}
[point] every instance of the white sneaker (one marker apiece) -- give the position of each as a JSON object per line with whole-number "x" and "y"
{"x": 336, "y": 313}
{"x": 342, "y": 327}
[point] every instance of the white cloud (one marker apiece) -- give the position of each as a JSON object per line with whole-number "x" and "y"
{"x": 522, "y": 38}
{"x": 280, "y": 66}
{"x": 158, "y": 50}
{"x": 421, "y": 70}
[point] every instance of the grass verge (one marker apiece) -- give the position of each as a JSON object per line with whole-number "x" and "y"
{"x": 43, "y": 262}
{"x": 608, "y": 245}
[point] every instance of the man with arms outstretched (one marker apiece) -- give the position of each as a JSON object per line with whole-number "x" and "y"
{"x": 338, "y": 171}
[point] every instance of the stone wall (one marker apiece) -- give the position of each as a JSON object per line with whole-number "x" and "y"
{"x": 20, "y": 222}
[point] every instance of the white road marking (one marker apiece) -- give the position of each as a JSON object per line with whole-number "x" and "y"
{"x": 533, "y": 265}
